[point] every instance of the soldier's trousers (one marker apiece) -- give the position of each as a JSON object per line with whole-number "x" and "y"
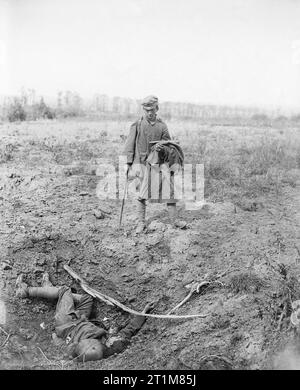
{"x": 157, "y": 185}
{"x": 66, "y": 309}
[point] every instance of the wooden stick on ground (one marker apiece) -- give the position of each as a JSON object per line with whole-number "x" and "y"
{"x": 85, "y": 287}
{"x": 113, "y": 302}
{"x": 194, "y": 288}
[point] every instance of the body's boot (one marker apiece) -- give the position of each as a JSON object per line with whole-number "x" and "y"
{"x": 46, "y": 280}
{"x": 141, "y": 216}
{"x": 21, "y": 287}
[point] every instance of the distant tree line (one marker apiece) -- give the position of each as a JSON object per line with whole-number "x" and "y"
{"x": 131, "y": 107}
{"x": 26, "y": 107}
{"x": 29, "y": 106}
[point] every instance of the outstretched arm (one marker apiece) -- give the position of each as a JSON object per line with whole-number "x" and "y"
{"x": 136, "y": 323}
{"x": 118, "y": 343}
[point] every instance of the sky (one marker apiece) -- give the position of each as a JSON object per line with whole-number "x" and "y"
{"x": 244, "y": 52}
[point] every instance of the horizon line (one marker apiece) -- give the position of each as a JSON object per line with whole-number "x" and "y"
{"x": 265, "y": 106}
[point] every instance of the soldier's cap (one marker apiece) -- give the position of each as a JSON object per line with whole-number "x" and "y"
{"x": 150, "y": 102}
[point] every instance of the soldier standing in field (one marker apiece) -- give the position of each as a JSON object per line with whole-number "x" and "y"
{"x": 143, "y": 138}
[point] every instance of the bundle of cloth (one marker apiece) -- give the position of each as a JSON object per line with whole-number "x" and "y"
{"x": 166, "y": 152}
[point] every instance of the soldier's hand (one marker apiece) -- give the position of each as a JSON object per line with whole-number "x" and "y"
{"x": 158, "y": 147}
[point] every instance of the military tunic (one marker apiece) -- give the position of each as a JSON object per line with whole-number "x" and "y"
{"x": 137, "y": 149}
{"x": 142, "y": 132}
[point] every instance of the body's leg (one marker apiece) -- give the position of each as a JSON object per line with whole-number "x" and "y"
{"x": 43, "y": 292}
{"x": 67, "y": 311}
{"x": 66, "y": 315}
{"x": 65, "y": 308}
{"x": 84, "y": 306}
{"x": 48, "y": 291}
{"x": 24, "y": 291}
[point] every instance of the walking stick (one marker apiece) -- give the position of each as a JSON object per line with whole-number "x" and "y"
{"x": 123, "y": 200}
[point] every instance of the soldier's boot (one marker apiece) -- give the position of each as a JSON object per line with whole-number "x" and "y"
{"x": 141, "y": 216}
{"x": 173, "y": 216}
{"x": 21, "y": 287}
{"x": 172, "y": 211}
{"x": 46, "y": 280}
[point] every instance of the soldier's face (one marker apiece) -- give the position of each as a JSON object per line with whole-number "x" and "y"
{"x": 151, "y": 114}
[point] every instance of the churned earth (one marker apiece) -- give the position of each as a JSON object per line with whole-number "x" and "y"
{"x": 52, "y": 215}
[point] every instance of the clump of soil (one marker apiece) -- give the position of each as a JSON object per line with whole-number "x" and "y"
{"x": 246, "y": 282}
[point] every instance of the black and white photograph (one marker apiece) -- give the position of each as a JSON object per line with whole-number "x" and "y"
{"x": 149, "y": 188}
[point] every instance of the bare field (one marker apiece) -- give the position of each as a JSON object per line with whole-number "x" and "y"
{"x": 245, "y": 240}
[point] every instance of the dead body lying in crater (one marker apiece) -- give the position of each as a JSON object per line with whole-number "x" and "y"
{"x": 83, "y": 340}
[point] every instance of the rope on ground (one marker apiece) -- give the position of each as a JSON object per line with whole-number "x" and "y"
{"x": 113, "y": 302}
